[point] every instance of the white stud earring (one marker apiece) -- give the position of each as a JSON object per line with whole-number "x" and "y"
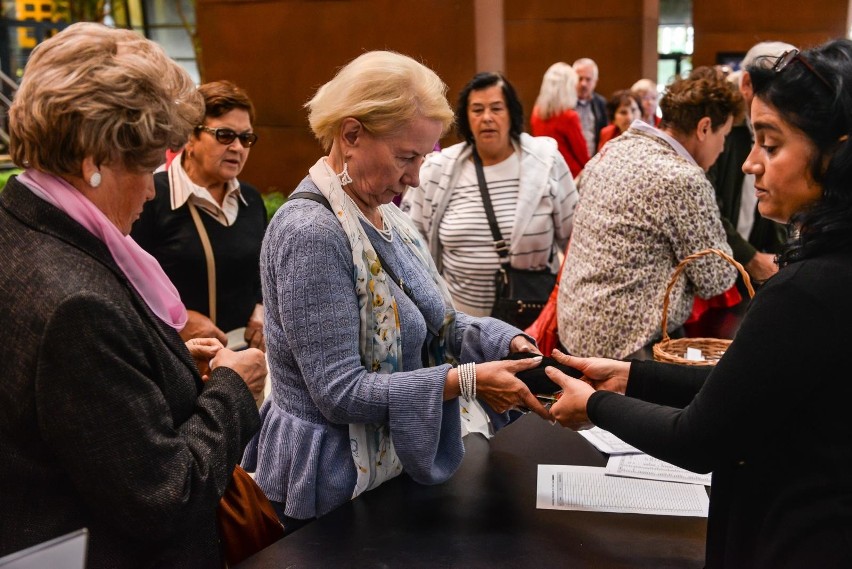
{"x": 95, "y": 180}
{"x": 344, "y": 176}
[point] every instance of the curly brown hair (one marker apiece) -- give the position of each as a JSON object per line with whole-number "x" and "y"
{"x": 705, "y": 93}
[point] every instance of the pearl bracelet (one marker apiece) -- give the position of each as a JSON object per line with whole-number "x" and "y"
{"x": 467, "y": 381}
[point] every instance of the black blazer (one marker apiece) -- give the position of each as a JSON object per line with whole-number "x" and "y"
{"x": 104, "y": 422}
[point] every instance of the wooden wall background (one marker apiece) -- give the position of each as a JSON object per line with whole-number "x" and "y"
{"x": 281, "y": 51}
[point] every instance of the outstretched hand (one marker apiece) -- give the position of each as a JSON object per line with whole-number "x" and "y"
{"x": 600, "y": 373}
{"x": 570, "y": 408}
{"x": 498, "y": 385}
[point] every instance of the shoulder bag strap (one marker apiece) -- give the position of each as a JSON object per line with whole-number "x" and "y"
{"x": 499, "y": 244}
{"x": 208, "y": 254}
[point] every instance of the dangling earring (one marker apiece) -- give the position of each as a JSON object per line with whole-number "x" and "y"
{"x": 344, "y": 176}
{"x": 95, "y": 180}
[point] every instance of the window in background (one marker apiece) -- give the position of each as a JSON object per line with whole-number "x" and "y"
{"x": 675, "y": 39}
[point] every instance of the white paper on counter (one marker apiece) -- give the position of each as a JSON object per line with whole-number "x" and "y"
{"x": 589, "y": 489}
{"x": 650, "y": 468}
{"x": 606, "y": 442}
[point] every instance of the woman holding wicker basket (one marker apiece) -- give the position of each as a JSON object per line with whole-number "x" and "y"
{"x": 647, "y": 204}
{"x": 770, "y": 420}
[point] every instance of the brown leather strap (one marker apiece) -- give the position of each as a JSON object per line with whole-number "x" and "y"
{"x": 211, "y": 261}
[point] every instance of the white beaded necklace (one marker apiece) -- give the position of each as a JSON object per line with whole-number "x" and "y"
{"x": 385, "y": 232}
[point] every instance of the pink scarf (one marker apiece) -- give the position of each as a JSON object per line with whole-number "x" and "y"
{"x": 144, "y": 272}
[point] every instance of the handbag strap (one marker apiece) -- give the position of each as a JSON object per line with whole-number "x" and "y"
{"x": 208, "y": 254}
{"x": 500, "y": 244}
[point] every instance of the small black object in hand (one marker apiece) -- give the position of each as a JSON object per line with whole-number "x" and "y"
{"x": 536, "y": 379}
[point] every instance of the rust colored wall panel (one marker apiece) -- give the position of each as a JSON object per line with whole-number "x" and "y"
{"x": 282, "y": 51}
{"x": 735, "y": 26}
{"x": 540, "y": 33}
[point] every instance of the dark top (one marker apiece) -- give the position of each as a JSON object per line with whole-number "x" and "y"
{"x": 171, "y": 237}
{"x": 599, "y": 111}
{"x": 104, "y": 422}
{"x": 727, "y": 175}
{"x": 771, "y": 421}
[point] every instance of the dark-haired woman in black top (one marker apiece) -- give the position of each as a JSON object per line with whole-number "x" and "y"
{"x": 771, "y": 420}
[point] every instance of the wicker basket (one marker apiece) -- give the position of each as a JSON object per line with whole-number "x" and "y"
{"x": 672, "y": 350}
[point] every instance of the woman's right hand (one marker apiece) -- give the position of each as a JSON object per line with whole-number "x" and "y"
{"x": 250, "y": 364}
{"x": 600, "y": 373}
{"x": 497, "y": 385}
{"x": 200, "y": 326}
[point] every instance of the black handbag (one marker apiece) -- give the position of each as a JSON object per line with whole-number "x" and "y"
{"x": 520, "y": 294}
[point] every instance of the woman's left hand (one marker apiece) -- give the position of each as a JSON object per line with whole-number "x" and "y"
{"x": 570, "y": 408}
{"x": 202, "y": 351}
{"x": 522, "y": 344}
{"x": 254, "y": 329}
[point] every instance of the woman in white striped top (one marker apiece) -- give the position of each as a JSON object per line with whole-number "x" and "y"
{"x": 531, "y": 190}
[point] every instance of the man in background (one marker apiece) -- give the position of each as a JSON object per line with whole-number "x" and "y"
{"x": 590, "y": 106}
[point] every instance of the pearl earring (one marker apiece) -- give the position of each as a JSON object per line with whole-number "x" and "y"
{"x": 95, "y": 180}
{"x": 344, "y": 176}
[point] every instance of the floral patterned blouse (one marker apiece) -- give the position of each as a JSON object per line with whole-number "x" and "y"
{"x": 644, "y": 205}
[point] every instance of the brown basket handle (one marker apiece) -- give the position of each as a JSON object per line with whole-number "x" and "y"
{"x": 679, "y": 269}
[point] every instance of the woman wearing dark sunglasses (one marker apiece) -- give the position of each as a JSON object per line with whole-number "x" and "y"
{"x": 231, "y": 214}
{"x": 771, "y": 420}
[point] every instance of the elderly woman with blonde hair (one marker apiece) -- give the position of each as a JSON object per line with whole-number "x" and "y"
{"x": 646, "y": 90}
{"x": 105, "y": 422}
{"x": 359, "y": 323}
{"x": 553, "y": 115}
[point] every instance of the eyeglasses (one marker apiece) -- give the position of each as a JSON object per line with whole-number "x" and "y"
{"x": 227, "y": 136}
{"x": 792, "y": 55}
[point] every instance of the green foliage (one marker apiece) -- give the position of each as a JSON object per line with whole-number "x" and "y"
{"x": 5, "y": 175}
{"x": 273, "y": 200}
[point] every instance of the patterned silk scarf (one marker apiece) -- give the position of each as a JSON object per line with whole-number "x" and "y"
{"x": 379, "y": 338}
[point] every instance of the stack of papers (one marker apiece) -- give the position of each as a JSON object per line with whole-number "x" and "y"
{"x": 588, "y": 488}
{"x": 632, "y": 482}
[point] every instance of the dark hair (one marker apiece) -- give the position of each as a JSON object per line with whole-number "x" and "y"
{"x": 621, "y": 97}
{"x": 482, "y": 81}
{"x": 824, "y": 116}
{"x": 221, "y": 97}
{"x": 705, "y": 93}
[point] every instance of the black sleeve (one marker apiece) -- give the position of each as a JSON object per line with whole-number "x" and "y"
{"x": 748, "y": 397}
{"x": 665, "y": 384}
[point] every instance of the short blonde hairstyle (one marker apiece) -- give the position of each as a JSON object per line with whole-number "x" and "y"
{"x": 95, "y": 91}
{"x": 558, "y": 90}
{"x": 384, "y": 91}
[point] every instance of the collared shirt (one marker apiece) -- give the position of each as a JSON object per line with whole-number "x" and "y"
{"x": 183, "y": 189}
{"x": 642, "y": 126}
{"x": 587, "y": 120}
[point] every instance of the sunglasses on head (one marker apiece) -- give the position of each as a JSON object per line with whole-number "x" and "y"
{"x": 227, "y": 135}
{"x": 792, "y": 55}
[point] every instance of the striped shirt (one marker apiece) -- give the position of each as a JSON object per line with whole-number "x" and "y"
{"x": 470, "y": 259}
{"x": 534, "y": 197}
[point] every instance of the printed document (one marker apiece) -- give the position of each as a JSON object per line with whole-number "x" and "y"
{"x": 606, "y": 442}
{"x": 589, "y": 489}
{"x": 650, "y": 468}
